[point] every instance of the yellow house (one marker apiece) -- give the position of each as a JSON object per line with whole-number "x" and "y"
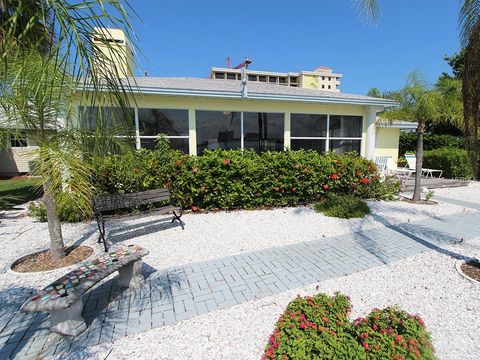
{"x": 254, "y": 110}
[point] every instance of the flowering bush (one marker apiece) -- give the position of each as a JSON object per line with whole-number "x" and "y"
{"x": 232, "y": 179}
{"x": 318, "y": 327}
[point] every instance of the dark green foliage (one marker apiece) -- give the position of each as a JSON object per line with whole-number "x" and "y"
{"x": 455, "y": 163}
{"x": 408, "y": 142}
{"x": 343, "y": 206}
{"x": 233, "y": 179}
{"x": 318, "y": 327}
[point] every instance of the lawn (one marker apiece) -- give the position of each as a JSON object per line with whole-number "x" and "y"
{"x": 18, "y": 191}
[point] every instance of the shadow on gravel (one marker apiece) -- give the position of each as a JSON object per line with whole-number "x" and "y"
{"x": 122, "y": 232}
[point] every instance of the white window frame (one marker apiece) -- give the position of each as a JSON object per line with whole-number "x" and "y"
{"x": 242, "y": 127}
{"x": 138, "y": 137}
{"x": 328, "y": 137}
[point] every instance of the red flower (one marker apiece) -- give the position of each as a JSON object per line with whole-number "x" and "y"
{"x": 325, "y": 187}
{"x": 334, "y": 176}
{"x": 366, "y": 346}
{"x": 302, "y": 325}
{"x": 375, "y": 327}
{"x": 292, "y": 326}
{"x": 325, "y": 319}
{"x": 195, "y": 209}
{"x": 277, "y": 188}
{"x": 226, "y": 162}
{"x": 365, "y": 181}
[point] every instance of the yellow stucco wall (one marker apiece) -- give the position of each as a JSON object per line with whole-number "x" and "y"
{"x": 387, "y": 141}
{"x": 120, "y": 54}
{"x": 309, "y": 81}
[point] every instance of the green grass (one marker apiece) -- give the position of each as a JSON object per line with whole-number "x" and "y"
{"x": 343, "y": 206}
{"x": 14, "y": 192}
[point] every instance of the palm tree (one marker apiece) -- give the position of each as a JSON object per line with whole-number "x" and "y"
{"x": 47, "y": 54}
{"x": 469, "y": 24}
{"x": 418, "y": 103}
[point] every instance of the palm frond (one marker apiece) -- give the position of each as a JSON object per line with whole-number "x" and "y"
{"x": 468, "y": 20}
{"x": 369, "y": 10}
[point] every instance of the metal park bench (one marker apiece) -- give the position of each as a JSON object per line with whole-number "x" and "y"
{"x": 103, "y": 206}
{"x": 62, "y": 299}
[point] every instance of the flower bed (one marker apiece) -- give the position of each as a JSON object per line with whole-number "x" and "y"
{"x": 233, "y": 179}
{"x": 318, "y": 327}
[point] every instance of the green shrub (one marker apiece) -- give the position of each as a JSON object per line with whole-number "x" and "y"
{"x": 343, "y": 206}
{"x": 408, "y": 142}
{"x": 455, "y": 163}
{"x": 66, "y": 213}
{"x": 233, "y": 179}
{"x": 318, "y": 327}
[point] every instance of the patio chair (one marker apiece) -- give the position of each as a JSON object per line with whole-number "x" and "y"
{"x": 386, "y": 166}
{"x": 412, "y": 159}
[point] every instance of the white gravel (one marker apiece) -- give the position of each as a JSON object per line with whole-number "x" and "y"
{"x": 425, "y": 284}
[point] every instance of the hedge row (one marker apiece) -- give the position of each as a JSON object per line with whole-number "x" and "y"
{"x": 455, "y": 163}
{"x": 408, "y": 142}
{"x": 232, "y": 179}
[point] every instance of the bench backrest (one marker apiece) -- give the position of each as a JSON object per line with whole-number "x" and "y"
{"x": 125, "y": 201}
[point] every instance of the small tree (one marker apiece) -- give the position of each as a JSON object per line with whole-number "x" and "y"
{"x": 47, "y": 54}
{"x": 418, "y": 103}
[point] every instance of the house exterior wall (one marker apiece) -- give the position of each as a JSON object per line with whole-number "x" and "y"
{"x": 14, "y": 161}
{"x": 237, "y": 105}
{"x": 387, "y": 142}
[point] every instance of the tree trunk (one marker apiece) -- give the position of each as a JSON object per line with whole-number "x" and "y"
{"x": 417, "y": 191}
{"x": 471, "y": 98}
{"x": 54, "y": 226}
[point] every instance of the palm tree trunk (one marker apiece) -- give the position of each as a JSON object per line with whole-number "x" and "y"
{"x": 54, "y": 226}
{"x": 471, "y": 97}
{"x": 417, "y": 191}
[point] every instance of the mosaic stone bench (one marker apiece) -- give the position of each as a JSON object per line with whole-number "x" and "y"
{"x": 62, "y": 299}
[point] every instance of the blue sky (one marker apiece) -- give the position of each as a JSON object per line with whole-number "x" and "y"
{"x": 187, "y": 37}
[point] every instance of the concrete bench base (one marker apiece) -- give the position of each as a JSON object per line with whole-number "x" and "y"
{"x": 68, "y": 321}
{"x": 63, "y": 298}
{"x": 130, "y": 275}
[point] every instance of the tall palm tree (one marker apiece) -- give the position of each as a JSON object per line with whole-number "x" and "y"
{"x": 47, "y": 53}
{"x": 469, "y": 24}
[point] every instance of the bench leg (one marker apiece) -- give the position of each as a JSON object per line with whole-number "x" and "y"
{"x": 130, "y": 275}
{"x": 101, "y": 229}
{"x": 68, "y": 321}
{"x": 177, "y": 217}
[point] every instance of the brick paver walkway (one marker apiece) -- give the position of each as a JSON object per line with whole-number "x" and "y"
{"x": 194, "y": 289}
